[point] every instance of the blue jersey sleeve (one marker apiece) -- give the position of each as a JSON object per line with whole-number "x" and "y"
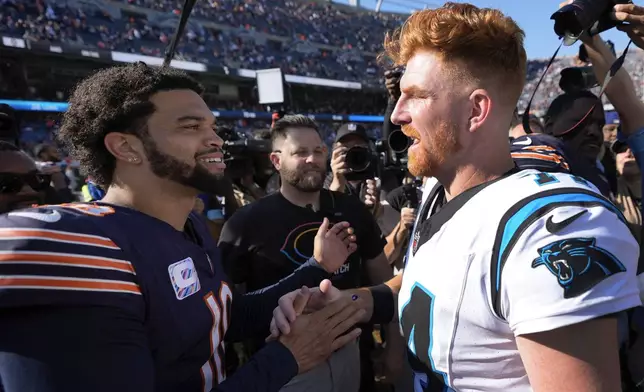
{"x": 52, "y": 256}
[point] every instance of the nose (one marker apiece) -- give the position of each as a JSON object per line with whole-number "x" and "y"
{"x": 310, "y": 158}
{"x": 400, "y": 115}
{"x": 215, "y": 140}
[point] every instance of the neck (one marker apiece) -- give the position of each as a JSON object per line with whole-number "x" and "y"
{"x": 168, "y": 202}
{"x": 299, "y": 198}
{"x": 476, "y": 172}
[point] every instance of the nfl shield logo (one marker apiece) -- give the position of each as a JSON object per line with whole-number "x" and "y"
{"x": 414, "y": 244}
{"x": 183, "y": 276}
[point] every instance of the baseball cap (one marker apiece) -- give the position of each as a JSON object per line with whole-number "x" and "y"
{"x": 568, "y": 111}
{"x": 612, "y": 118}
{"x": 351, "y": 129}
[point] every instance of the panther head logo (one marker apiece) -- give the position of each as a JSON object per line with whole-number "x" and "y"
{"x": 578, "y": 264}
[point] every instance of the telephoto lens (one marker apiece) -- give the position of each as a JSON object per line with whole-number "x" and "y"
{"x": 592, "y": 16}
{"x": 358, "y": 158}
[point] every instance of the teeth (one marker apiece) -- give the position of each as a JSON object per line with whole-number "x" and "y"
{"x": 212, "y": 160}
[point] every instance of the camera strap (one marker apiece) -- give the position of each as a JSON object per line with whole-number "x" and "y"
{"x": 614, "y": 68}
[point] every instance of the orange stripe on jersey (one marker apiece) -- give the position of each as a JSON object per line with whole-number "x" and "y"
{"x": 544, "y": 157}
{"x": 58, "y": 236}
{"x": 23, "y": 257}
{"x": 539, "y": 148}
{"x": 56, "y": 283}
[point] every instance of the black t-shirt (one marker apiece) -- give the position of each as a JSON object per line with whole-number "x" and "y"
{"x": 397, "y": 198}
{"x": 267, "y": 240}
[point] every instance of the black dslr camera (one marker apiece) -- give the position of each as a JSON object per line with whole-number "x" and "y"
{"x": 361, "y": 162}
{"x": 592, "y": 16}
{"x": 575, "y": 79}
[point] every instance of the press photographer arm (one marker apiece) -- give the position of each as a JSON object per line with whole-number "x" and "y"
{"x": 634, "y": 16}
{"x": 621, "y": 90}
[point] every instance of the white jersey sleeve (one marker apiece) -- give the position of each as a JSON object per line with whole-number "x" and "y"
{"x": 562, "y": 257}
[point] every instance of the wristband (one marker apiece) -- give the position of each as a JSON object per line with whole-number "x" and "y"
{"x": 383, "y": 304}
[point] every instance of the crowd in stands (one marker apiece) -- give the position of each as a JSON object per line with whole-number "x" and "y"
{"x": 350, "y": 32}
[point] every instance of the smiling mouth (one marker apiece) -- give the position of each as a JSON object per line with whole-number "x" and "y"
{"x": 212, "y": 160}
{"x": 565, "y": 272}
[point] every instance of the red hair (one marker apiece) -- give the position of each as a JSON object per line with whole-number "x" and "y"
{"x": 480, "y": 44}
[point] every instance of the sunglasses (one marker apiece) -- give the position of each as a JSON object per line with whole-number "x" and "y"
{"x": 13, "y": 182}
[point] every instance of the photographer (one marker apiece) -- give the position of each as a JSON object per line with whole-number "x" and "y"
{"x": 405, "y": 200}
{"x": 350, "y": 149}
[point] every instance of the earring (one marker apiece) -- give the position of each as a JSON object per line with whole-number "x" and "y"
{"x": 132, "y": 159}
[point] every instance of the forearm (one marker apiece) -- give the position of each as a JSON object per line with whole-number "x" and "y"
{"x": 370, "y": 298}
{"x": 378, "y": 269}
{"x": 337, "y": 186}
{"x": 396, "y": 243}
{"x": 621, "y": 90}
{"x": 253, "y": 312}
{"x": 268, "y": 370}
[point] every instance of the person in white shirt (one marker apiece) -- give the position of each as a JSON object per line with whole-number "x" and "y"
{"x": 515, "y": 279}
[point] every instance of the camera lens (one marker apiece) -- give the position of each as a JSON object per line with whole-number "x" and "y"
{"x": 398, "y": 141}
{"x": 358, "y": 158}
{"x": 573, "y": 19}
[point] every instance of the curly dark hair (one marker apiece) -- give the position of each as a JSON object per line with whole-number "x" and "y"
{"x": 115, "y": 99}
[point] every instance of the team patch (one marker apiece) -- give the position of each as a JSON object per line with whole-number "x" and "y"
{"x": 183, "y": 276}
{"x": 578, "y": 263}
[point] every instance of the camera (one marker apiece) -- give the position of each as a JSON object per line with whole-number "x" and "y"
{"x": 577, "y": 78}
{"x": 242, "y": 153}
{"x": 362, "y": 164}
{"x": 398, "y": 141}
{"x": 592, "y": 16}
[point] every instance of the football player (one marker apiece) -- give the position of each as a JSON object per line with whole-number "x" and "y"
{"x": 515, "y": 280}
{"x": 128, "y": 294}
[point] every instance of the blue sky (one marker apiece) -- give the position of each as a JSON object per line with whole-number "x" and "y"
{"x": 532, "y": 15}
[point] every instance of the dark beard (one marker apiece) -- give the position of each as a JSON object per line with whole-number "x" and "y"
{"x": 168, "y": 167}
{"x": 304, "y": 182}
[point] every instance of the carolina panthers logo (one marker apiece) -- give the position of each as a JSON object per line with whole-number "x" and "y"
{"x": 578, "y": 264}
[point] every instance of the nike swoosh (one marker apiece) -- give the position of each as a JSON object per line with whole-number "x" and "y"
{"x": 51, "y": 217}
{"x": 525, "y": 142}
{"x": 555, "y": 227}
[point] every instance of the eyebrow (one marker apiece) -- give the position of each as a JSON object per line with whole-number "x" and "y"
{"x": 190, "y": 118}
{"x": 417, "y": 91}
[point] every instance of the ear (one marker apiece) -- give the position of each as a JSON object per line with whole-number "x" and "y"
{"x": 126, "y": 148}
{"x": 276, "y": 160}
{"x": 481, "y": 104}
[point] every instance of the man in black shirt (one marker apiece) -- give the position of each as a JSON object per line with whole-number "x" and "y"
{"x": 268, "y": 239}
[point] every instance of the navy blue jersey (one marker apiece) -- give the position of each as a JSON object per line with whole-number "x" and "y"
{"x": 103, "y": 298}
{"x": 548, "y": 154}
{"x": 540, "y": 152}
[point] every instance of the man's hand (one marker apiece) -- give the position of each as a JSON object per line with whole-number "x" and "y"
{"x": 634, "y": 15}
{"x": 407, "y": 217}
{"x": 333, "y": 246}
{"x": 392, "y": 82}
{"x": 314, "y": 337}
{"x": 372, "y": 193}
{"x": 298, "y": 302}
{"x": 339, "y": 166}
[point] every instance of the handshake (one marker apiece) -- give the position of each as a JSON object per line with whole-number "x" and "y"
{"x": 314, "y": 323}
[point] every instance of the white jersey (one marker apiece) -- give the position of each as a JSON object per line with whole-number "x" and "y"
{"x": 527, "y": 253}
